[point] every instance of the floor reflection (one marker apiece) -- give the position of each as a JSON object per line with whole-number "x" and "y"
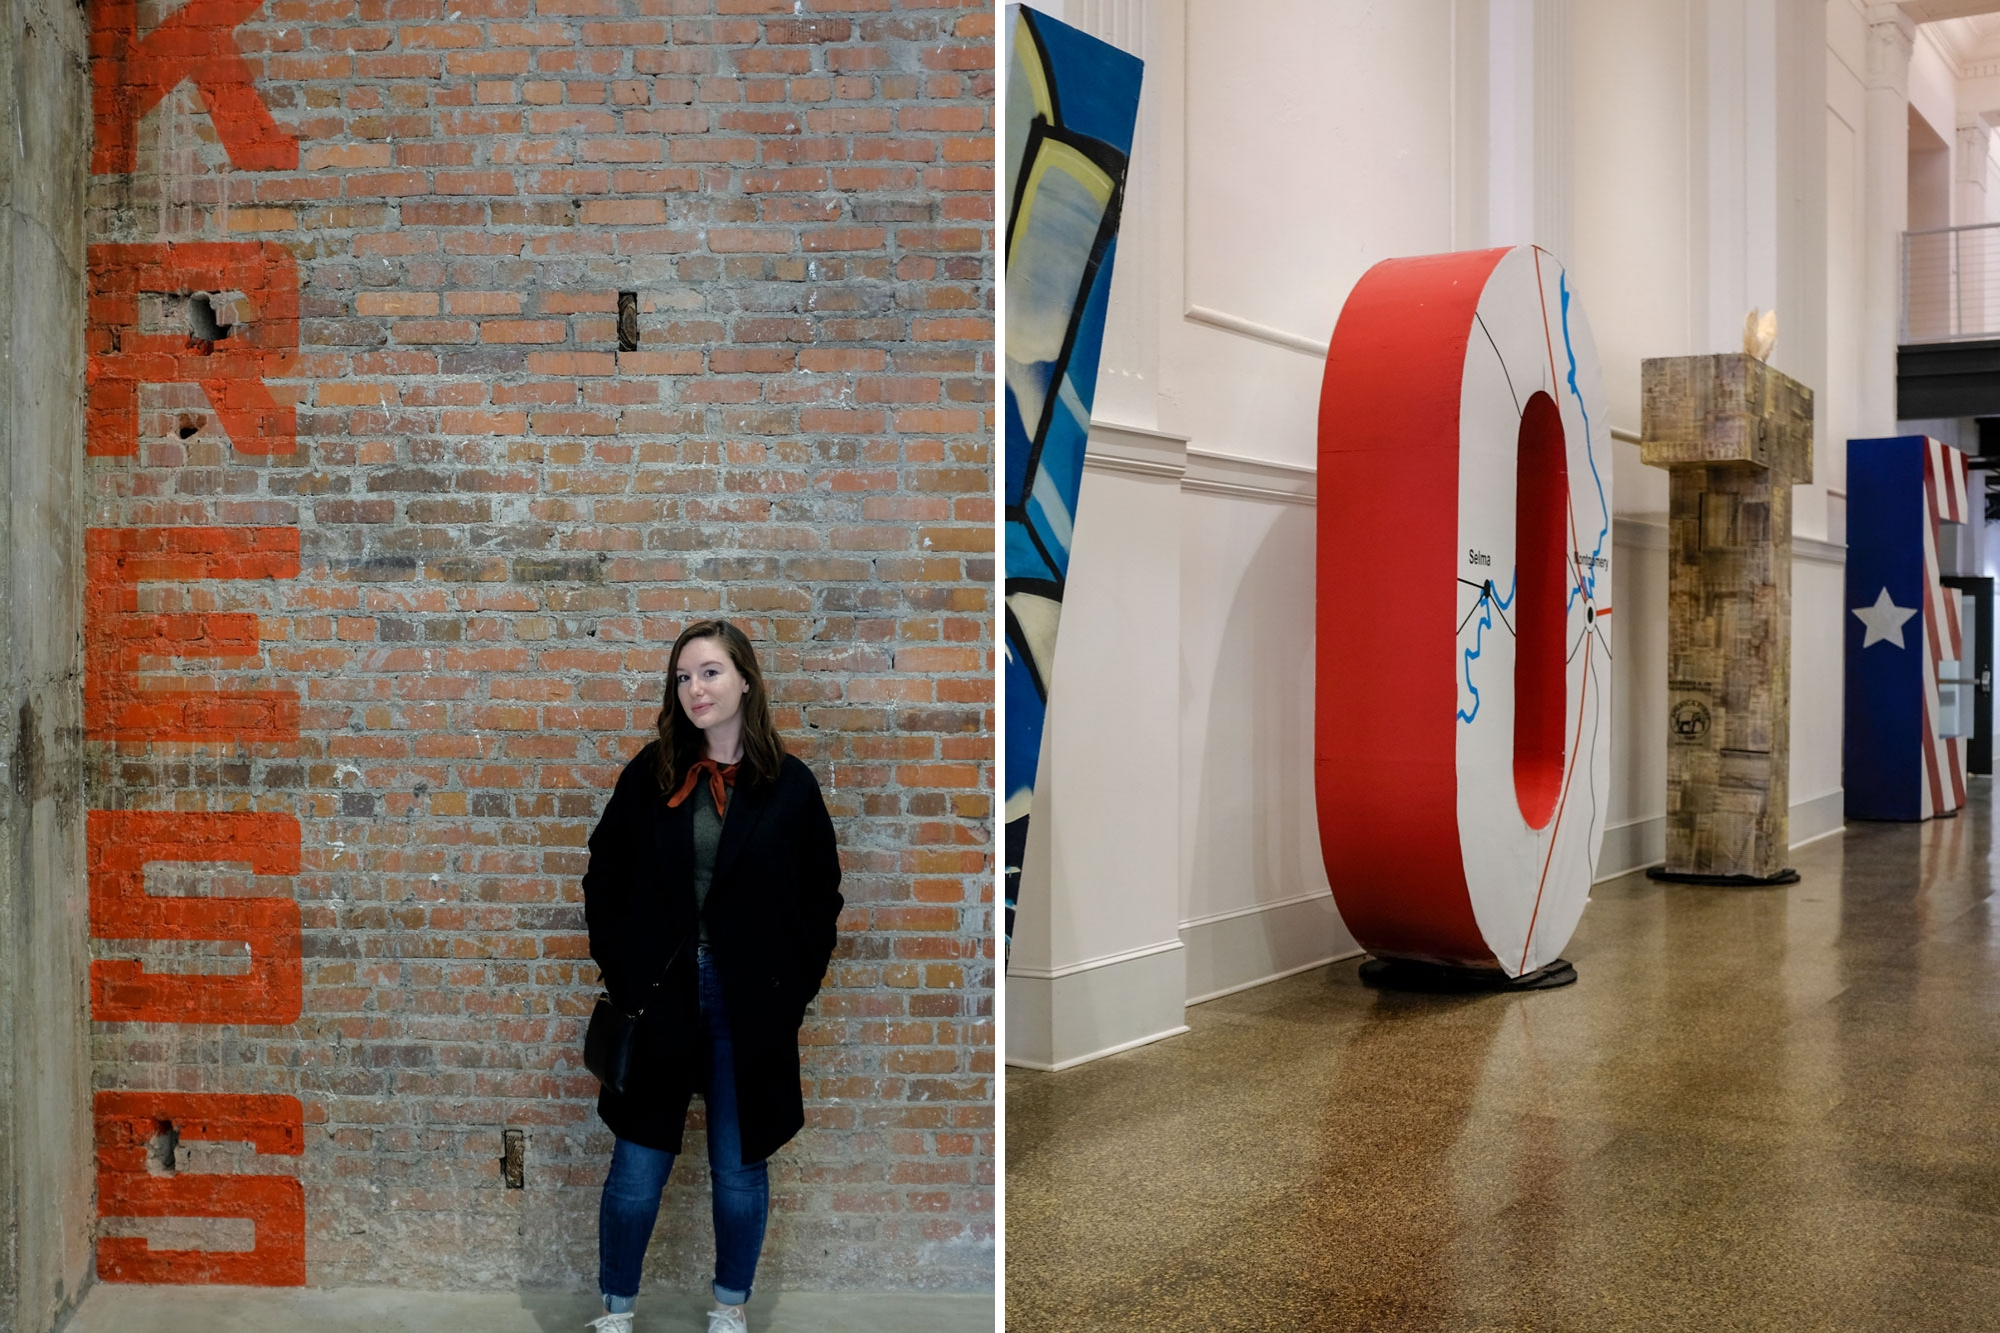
{"x": 1757, "y": 1109}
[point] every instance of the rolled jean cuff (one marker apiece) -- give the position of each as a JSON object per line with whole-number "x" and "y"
{"x": 618, "y": 1304}
{"x": 725, "y": 1296}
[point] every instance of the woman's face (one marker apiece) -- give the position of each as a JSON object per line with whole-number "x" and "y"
{"x": 708, "y": 684}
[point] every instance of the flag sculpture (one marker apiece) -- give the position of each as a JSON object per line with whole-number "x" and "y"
{"x": 1072, "y": 102}
{"x": 1462, "y": 729}
{"x": 1904, "y": 756}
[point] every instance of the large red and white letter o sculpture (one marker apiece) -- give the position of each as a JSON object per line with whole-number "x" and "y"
{"x": 1463, "y": 722}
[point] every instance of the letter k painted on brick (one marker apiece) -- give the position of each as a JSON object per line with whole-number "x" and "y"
{"x": 196, "y": 42}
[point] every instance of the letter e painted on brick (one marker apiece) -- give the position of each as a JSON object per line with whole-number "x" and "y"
{"x": 120, "y": 637}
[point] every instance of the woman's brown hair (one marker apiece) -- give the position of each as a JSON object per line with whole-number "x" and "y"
{"x": 682, "y": 744}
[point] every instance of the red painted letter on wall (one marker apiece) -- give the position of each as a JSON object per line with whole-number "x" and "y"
{"x": 122, "y": 842}
{"x": 197, "y": 42}
{"x": 127, "y": 1123}
{"x": 119, "y": 637}
{"x": 231, "y": 371}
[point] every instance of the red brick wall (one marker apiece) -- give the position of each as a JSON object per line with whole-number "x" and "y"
{"x": 383, "y": 584}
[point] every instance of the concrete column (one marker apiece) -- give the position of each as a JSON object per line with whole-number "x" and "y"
{"x": 46, "y": 1204}
{"x": 1891, "y": 39}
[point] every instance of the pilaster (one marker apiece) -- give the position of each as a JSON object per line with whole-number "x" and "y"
{"x": 1891, "y": 41}
{"x": 1970, "y": 154}
{"x": 1099, "y": 966}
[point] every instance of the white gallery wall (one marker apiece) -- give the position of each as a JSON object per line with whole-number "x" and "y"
{"x": 1688, "y": 159}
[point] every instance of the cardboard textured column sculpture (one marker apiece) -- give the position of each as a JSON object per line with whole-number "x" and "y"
{"x": 1736, "y": 436}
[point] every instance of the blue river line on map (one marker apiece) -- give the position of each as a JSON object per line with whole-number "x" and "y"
{"x": 1489, "y": 597}
{"x": 1587, "y": 583}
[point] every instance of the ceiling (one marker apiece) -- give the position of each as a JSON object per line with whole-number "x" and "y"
{"x": 1933, "y": 11}
{"x": 1971, "y": 44}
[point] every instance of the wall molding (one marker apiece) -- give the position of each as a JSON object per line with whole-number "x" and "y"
{"x": 1631, "y": 844}
{"x": 1092, "y": 964}
{"x": 1249, "y": 328}
{"x": 1256, "y": 908}
{"x": 1131, "y": 467}
{"x": 1061, "y": 1017}
{"x": 1817, "y": 816}
{"x": 1139, "y": 451}
{"x": 1248, "y": 478}
{"x": 1648, "y": 532}
{"x": 1252, "y": 946}
{"x": 1639, "y": 532}
{"x": 1813, "y": 818}
{"x": 1329, "y": 960}
{"x": 1057, "y": 1066}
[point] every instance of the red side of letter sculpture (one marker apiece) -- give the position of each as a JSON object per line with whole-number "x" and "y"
{"x": 1462, "y": 746}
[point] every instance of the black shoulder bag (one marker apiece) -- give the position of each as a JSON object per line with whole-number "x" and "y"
{"x": 608, "y": 1041}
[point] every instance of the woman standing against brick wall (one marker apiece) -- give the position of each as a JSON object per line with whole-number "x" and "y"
{"x": 712, "y": 897}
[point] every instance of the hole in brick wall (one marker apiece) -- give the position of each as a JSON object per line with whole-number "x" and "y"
{"x": 513, "y": 1159}
{"x": 190, "y": 425}
{"x": 628, "y": 321}
{"x": 202, "y": 323}
{"x": 160, "y": 1150}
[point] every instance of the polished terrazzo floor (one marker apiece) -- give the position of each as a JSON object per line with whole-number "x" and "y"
{"x": 1757, "y": 1109}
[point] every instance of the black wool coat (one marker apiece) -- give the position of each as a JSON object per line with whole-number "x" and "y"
{"x": 772, "y": 908}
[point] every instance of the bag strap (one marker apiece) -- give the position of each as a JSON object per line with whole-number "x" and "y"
{"x": 675, "y": 957}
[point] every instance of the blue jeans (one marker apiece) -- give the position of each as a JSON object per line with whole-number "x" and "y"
{"x": 740, "y": 1194}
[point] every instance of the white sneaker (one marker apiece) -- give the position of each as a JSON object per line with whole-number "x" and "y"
{"x": 728, "y": 1319}
{"x": 612, "y": 1323}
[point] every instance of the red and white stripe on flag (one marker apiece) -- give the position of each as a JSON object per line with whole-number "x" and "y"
{"x": 1946, "y": 500}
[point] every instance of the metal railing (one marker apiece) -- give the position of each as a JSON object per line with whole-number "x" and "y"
{"x": 1951, "y": 284}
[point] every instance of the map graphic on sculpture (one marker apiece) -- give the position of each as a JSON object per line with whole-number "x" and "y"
{"x": 1903, "y": 750}
{"x": 1072, "y": 102}
{"x": 1735, "y": 436}
{"x": 1462, "y": 723}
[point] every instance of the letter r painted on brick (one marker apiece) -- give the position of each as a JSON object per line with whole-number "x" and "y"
{"x": 231, "y": 371}
{"x": 196, "y": 43}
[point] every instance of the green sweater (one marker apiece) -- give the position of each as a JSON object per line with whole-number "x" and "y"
{"x": 707, "y": 838}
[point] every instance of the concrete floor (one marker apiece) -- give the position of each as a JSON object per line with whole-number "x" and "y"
{"x": 1757, "y": 1109}
{"x": 118, "y": 1309}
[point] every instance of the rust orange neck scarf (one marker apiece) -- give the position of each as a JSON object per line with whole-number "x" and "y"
{"x": 719, "y": 776}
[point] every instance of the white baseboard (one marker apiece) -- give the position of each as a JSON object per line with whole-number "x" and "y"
{"x": 1632, "y": 845}
{"x": 1817, "y": 816}
{"x": 1062, "y": 1017}
{"x": 1234, "y": 951}
{"x": 1068, "y": 1015}
{"x": 1639, "y": 843}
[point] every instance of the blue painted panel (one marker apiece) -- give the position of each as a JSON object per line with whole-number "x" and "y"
{"x": 1883, "y": 748}
{"x": 1097, "y": 85}
{"x": 1064, "y": 200}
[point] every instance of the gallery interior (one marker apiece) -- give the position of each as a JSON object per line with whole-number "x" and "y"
{"x": 1768, "y": 1098}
